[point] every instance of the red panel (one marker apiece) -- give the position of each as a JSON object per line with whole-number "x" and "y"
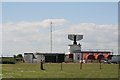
{"x": 96, "y": 56}
{"x": 106, "y": 56}
{"x": 71, "y": 56}
{"x": 86, "y": 57}
{"x": 99, "y": 56}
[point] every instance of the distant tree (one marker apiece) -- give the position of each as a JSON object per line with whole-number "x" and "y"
{"x": 14, "y": 56}
{"x": 19, "y": 57}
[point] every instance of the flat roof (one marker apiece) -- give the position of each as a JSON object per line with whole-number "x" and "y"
{"x": 44, "y": 53}
{"x": 96, "y": 51}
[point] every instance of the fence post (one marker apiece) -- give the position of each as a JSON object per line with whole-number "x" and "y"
{"x": 81, "y": 61}
{"x": 41, "y": 65}
{"x": 80, "y": 65}
{"x": 100, "y": 63}
{"x": 61, "y": 65}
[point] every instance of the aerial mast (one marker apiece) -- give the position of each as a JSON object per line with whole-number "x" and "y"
{"x": 51, "y": 35}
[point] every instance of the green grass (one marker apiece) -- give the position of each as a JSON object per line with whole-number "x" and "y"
{"x": 53, "y": 70}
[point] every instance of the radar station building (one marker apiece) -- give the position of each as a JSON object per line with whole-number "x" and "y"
{"x": 77, "y": 55}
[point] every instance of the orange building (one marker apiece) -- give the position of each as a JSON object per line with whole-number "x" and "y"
{"x": 77, "y": 55}
{"x": 95, "y": 55}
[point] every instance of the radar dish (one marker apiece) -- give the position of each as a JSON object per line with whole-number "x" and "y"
{"x": 79, "y": 37}
{"x": 74, "y": 37}
{"x": 71, "y": 37}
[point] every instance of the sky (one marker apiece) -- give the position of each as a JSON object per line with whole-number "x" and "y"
{"x": 26, "y": 26}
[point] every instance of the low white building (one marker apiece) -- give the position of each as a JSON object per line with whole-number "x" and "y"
{"x": 33, "y": 57}
{"x": 46, "y": 57}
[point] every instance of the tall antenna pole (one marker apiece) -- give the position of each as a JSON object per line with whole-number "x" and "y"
{"x": 51, "y": 36}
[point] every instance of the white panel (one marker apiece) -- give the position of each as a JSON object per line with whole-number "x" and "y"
{"x": 75, "y": 48}
{"x": 40, "y": 57}
{"x": 28, "y": 58}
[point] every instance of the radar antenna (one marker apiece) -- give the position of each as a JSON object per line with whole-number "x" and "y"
{"x": 75, "y": 38}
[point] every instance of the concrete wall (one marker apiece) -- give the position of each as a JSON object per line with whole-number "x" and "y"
{"x": 40, "y": 57}
{"x": 28, "y": 58}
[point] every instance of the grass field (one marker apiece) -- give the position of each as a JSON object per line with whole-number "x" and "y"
{"x": 53, "y": 70}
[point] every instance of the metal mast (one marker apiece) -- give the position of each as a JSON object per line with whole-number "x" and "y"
{"x": 51, "y": 36}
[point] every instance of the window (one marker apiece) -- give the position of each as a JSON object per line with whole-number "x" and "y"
{"x": 78, "y": 57}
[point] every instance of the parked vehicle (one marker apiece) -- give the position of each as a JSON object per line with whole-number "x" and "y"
{"x": 106, "y": 61}
{"x": 115, "y": 59}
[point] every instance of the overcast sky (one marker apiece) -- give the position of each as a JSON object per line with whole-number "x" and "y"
{"x": 26, "y": 26}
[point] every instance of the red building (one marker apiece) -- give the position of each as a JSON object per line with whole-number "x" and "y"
{"x": 94, "y": 55}
{"x": 77, "y": 55}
